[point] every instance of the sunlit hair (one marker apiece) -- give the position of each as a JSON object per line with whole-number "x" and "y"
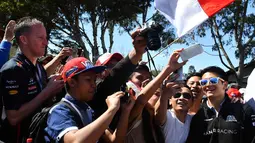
{"x": 198, "y": 74}
{"x": 216, "y": 70}
{"x": 24, "y": 25}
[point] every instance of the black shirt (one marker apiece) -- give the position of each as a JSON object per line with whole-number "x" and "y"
{"x": 20, "y": 82}
{"x": 111, "y": 84}
{"x": 235, "y": 123}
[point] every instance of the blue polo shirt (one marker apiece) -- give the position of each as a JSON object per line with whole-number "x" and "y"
{"x": 61, "y": 119}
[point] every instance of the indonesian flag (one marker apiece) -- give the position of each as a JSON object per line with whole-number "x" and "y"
{"x": 186, "y": 15}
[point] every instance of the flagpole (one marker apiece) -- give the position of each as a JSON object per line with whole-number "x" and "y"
{"x": 165, "y": 48}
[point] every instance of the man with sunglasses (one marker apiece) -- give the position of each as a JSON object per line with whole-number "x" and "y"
{"x": 218, "y": 120}
{"x": 175, "y": 122}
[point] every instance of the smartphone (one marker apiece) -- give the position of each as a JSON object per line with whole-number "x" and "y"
{"x": 124, "y": 88}
{"x": 191, "y": 52}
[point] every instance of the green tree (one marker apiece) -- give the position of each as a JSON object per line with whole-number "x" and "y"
{"x": 233, "y": 27}
{"x": 101, "y": 15}
{"x": 68, "y": 21}
{"x": 45, "y": 10}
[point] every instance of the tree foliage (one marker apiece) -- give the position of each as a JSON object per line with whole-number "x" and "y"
{"x": 75, "y": 23}
{"x": 233, "y": 27}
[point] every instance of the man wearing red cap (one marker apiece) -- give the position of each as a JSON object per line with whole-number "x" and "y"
{"x": 119, "y": 69}
{"x": 79, "y": 76}
{"x": 109, "y": 60}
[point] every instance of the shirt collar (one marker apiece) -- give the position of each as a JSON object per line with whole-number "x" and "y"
{"x": 220, "y": 103}
{"x": 82, "y": 105}
{"x": 22, "y": 57}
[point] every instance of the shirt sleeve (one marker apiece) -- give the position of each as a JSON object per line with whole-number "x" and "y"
{"x": 13, "y": 87}
{"x": 118, "y": 76}
{"x": 166, "y": 127}
{"x": 60, "y": 121}
{"x": 5, "y": 47}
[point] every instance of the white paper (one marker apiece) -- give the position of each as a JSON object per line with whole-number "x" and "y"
{"x": 191, "y": 52}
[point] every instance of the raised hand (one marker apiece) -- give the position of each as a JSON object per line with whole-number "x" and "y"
{"x": 113, "y": 101}
{"x": 173, "y": 61}
{"x": 66, "y": 51}
{"x": 139, "y": 42}
{"x": 55, "y": 85}
{"x": 9, "y": 30}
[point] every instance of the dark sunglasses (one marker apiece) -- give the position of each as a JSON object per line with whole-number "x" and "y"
{"x": 212, "y": 80}
{"x": 184, "y": 95}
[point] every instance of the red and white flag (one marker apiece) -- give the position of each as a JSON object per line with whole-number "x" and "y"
{"x": 185, "y": 15}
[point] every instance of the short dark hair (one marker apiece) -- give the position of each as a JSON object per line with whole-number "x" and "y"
{"x": 216, "y": 70}
{"x": 185, "y": 85}
{"x": 142, "y": 67}
{"x": 139, "y": 68}
{"x": 24, "y": 25}
{"x": 193, "y": 74}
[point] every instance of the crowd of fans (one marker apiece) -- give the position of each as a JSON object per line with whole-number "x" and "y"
{"x": 115, "y": 100}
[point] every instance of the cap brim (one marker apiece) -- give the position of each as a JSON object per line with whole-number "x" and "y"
{"x": 96, "y": 69}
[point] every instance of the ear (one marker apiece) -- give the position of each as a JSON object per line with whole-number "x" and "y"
{"x": 225, "y": 85}
{"x": 72, "y": 82}
{"x": 170, "y": 101}
{"x": 23, "y": 39}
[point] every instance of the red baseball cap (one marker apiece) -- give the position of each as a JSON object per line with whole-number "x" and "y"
{"x": 78, "y": 65}
{"x": 106, "y": 57}
{"x": 233, "y": 92}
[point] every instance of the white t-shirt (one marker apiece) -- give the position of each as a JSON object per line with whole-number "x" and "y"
{"x": 174, "y": 130}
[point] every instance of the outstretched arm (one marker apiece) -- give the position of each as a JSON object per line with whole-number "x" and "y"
{"x": 152, "y": 86}
{"x": 120, "y": 133}
{"x": 92, "y": 132}
{"x": 162, "y": 104}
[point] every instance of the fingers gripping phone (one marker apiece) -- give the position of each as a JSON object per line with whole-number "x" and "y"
{"x": 191, "y": 52}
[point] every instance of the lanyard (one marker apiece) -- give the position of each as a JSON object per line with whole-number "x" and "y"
{"x": 38, "y": 74}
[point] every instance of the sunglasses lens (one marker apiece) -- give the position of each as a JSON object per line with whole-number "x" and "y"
{"x": 177, "y": 95}
{"x": 203, "y": 82}
{"x": 214, "y": 80}
{"x": 186, "y": 95}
